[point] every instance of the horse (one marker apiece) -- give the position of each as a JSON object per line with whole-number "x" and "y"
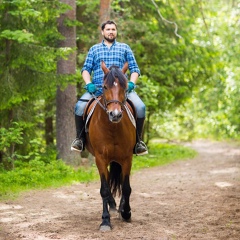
{"x": 111, "y": 137}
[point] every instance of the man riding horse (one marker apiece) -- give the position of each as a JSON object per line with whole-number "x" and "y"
{"x": 112, "y": 53}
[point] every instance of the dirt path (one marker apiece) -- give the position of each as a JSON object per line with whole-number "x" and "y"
{"x": 195, "y": 199}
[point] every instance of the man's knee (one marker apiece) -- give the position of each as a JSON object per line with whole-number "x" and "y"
{"x": 81, "y": 104}
{"x": 79, "y": 107}
{"x": 141, "y": 109}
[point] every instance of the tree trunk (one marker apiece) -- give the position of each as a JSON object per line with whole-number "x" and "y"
{"x": 104, "y": 13}
{"x": 49, "y": 135}
{"x": 66, "y": 98}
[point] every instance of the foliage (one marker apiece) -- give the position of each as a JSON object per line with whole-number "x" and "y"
{"x": 38, "y": 174}
{"x": 15, "y": 136}
{"x": 213, "y": 110}
{"x": 190, "y": 85}
{"x": 28, "y": 51}
{"x": 28, "y": 63}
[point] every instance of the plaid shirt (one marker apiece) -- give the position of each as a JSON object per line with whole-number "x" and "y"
{"x": 117, "y": 54}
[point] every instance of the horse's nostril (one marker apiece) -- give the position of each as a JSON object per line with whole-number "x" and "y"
{"x": 115, "y": 116}
{"x": 120, "y": 114}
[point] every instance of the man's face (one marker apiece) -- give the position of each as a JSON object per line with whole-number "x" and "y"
{"x": 109, "y": 32}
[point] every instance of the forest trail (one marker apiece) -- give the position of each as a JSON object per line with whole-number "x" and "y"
{"x": 195, "y": 199}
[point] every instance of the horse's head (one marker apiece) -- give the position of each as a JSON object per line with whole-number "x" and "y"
{"x": 114, "y": 91}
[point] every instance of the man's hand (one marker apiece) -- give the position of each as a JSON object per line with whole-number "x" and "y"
{"x": 131, "y": 86}
{"x": 91, "y": 88}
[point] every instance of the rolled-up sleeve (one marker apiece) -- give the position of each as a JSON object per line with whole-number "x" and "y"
{"x": 132, "y": 63}
{"x": 88, "y": 64}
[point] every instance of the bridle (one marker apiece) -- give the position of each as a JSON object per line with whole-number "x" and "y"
{"x": 107, "y": 102}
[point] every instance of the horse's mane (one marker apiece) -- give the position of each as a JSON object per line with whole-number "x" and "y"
{"x": 115, "y": 72}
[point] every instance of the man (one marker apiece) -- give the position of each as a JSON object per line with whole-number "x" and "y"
{"x": 112, "y": 53}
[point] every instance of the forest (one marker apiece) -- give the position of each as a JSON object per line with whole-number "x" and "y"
{"x": 188, "y": 53}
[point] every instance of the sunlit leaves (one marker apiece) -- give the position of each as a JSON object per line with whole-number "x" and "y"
{"x": 21, "y": 36}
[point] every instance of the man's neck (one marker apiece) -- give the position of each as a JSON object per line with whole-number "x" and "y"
{"x": 109, "y": 44}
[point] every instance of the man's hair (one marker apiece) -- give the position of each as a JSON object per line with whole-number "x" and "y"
{"x": 108, "y": 22}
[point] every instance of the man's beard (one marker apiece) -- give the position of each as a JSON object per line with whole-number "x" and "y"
{"x": 109, "y": 39}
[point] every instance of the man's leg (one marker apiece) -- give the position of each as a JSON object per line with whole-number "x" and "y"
{"x": 79, "y": 143}
{"x": 140, "y": 147}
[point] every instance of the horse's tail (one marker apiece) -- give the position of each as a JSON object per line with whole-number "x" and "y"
{"x": 115, "y": 178}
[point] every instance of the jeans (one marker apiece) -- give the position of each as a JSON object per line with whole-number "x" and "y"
{"x": 137, "y": 102}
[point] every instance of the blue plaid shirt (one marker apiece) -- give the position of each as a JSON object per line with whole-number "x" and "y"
{"x": 117, "y": 54}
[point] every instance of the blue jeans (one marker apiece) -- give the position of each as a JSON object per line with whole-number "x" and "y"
{"x": 138, "y": 103}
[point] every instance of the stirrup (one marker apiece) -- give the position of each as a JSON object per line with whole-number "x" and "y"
{"x": 77, "y": 145}
{"x": 140, "y": 148}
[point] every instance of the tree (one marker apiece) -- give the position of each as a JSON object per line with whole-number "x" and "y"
{"x": 66, "y": 98}
{"x": 104, "y": 13}
{"x": 27, "y": 68}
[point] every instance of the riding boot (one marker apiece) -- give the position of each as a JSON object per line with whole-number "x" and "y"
{"x": 79, "y": 143}
{"x": 140, "y": 147}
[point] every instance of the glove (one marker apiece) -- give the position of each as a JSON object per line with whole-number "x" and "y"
{"x": 91, "y": 88}
{"x": 131, "y": 86}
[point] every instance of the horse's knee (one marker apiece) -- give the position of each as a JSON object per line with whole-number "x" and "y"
{"x": 104, "y": 190}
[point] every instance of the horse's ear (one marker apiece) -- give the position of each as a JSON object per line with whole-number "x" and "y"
{"x": 125, "y": 67}
{"x": 104, "y": 67}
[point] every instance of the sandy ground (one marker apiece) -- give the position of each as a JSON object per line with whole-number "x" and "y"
{"x": 194, "y": 199}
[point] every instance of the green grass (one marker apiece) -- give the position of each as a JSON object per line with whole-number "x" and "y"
{"x": 162, "y": 154}
{"x": 39, "y": 175}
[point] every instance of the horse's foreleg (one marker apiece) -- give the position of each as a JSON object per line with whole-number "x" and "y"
{"x": 106, "y": 195}
{"x": 112, "y": 203}
{"x": 124, "y": 207}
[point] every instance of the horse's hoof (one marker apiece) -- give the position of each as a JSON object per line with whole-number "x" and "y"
{"x": 125, "y": 217}
{"x": 105, "y": 228}
{"x": 113, "y": 210}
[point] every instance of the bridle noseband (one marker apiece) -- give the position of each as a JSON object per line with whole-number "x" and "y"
{"x": 107, "y": 102}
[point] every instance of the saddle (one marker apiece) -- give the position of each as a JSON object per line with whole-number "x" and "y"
{"x": 92, "y": 103}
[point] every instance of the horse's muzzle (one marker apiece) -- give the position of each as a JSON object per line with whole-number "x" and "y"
{"x": 115, "y": 116}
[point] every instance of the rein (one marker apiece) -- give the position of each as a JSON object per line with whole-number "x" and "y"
{"x": 104, "y": 107}
{"x": 107, "y": 102}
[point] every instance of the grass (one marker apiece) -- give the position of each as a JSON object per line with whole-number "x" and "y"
{"x": 39, "y": 175}
{"x": 162, "y": 154}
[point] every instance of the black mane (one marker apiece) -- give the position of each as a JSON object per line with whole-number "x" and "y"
{"x": 115, "y": 72}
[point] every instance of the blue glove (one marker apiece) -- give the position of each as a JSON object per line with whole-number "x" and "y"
{"x": 91, "y": 88}
{"x": 131, "y": 86}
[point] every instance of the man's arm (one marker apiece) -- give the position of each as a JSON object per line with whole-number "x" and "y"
{"x": 134, "y": 77}
{"x": 132, "y": 65}
{"x": 86, "y": 76}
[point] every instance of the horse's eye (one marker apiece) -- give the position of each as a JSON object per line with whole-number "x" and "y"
{"x": 105, "y": 87}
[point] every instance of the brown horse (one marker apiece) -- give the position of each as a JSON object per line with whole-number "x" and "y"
{"x": 111, "y": 138}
